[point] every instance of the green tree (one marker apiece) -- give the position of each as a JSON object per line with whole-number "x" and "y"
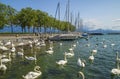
{"x": 3, "y": 20}
{"x": 11, "y": 12}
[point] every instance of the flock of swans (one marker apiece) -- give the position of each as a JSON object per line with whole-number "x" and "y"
{"x": 9, "y": 50}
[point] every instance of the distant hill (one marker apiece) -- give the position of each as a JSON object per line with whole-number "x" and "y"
{"x": 107, "y": 31}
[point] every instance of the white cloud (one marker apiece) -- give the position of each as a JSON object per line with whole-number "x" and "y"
{"x": 116, "y": 20}
{"x": 115, "y": 24}
{"x": 93, "y": 24}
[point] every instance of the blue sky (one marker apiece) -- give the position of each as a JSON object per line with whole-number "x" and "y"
{"x": 95, "y": 13}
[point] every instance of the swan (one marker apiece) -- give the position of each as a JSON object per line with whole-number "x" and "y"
{"x": 5, "y": 60}
{"x": 94, "y": 51}
{"x": 37, "y": 44}
{"x": 31, "y": 45}
{"x": 112, "y": 44}
{"x": 62, "y": 62}
{"x": 21, "y": 44}
{"x": 91, "y": 58}
{"x": 13, "y": 49}
{"x": 3, "y": 48}
{"x": 30, "y": 42}
{"x": 71, "y": 53}
{"x": 21, "y": 53}
{"x": 8, "y": 43}
{"x": 3, "y": 68}
{"x": 33, "y": 74}
{"x": 1, "y": 43}
{"x": 81, "y": 74}
{"x": 60, "y": 44}
{"x": 115, "y": 71}
{"x": 104, "y": 46}
{"x": 81, "y": 63}
{"x": 88, "y": 45}
{"x": 31, "y": 58}
{"x": 43, "y": 43}
{"x": 117, "y": 58}
{"x": 74, "y": 45}
{"x": 71, "y": 49}
{"x": 50, "y": 51}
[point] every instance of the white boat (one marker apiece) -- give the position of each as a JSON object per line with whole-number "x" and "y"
{"x": 64, "y": 37}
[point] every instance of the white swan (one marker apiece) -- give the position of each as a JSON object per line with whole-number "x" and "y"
{"x": 87, "y": 45}
{"x": 13, "y": 49}
{"x": 1, "y": 43}
{"x": 3, "y": 67}
{"x": 31, "y": 45}
{"x": 112, "y": 44}
{"x": 70, "y": 53}
{"x": 60, "y": 44}
{"x": 8, "y": 43}
{"x": 74, "y": 45}
{"x": 21, "y": 44}
{"x": 62, "y": 62}
{"x": 81, "y": 74}
{"x": 80, "y": 63}
{"x": 3, "y": 48}
{"x": 21, "y": 53}
{"x": 31, "y": 58}
{"x": 33, "y": 74}
{"x": 104, "y": 46}
{"x": 91, "y": 57}
{"x": 71, "y": 49}
{"x": 5, "y": 60}
{"x": 117, "y": 57}
{"x": 116, "y": 71}
{"x": 50, "y": 50}
{"x": 43, "y": 43}
{"x": 94, "y": 51}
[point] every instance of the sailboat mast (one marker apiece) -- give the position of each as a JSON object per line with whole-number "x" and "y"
{"x": 78, "y": 27}
{"x": 58, "y": 12}
{"x": 68, "y": 9}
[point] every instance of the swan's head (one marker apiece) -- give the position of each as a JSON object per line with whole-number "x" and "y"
{"x": 84, "y": 61}
{"x": 37, "y": 68}
{"x": 117, "y": 53}
{"x": 65, "y": 53}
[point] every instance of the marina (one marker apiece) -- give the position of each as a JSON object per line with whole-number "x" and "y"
{"x": 98, "y": 69}
{"x": 61, "y": 39}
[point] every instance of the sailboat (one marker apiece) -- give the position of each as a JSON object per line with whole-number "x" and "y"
{"x": 65, "y": 36}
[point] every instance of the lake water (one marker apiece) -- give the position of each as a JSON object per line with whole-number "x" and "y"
{"x": 104, "y": 62}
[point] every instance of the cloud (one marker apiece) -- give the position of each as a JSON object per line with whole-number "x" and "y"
{"x": 93, "y": 24}
{"x": 116, "y": 20}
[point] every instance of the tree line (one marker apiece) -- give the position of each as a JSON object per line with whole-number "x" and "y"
{"x": 28, "y": 17}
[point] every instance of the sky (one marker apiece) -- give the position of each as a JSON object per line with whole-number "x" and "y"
{"x": 96, "y": 14}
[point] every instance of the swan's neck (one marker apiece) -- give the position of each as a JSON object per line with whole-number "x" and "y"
{"x": 92, "y": 54}
{"x": 83, "y": 76}
{"x": 0, "y": 62}
{"x": 65, "y": 58}
{"x": 9, "y": 56}
{"x": 117, "y": 55}
{"x": 35, "y": 56}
